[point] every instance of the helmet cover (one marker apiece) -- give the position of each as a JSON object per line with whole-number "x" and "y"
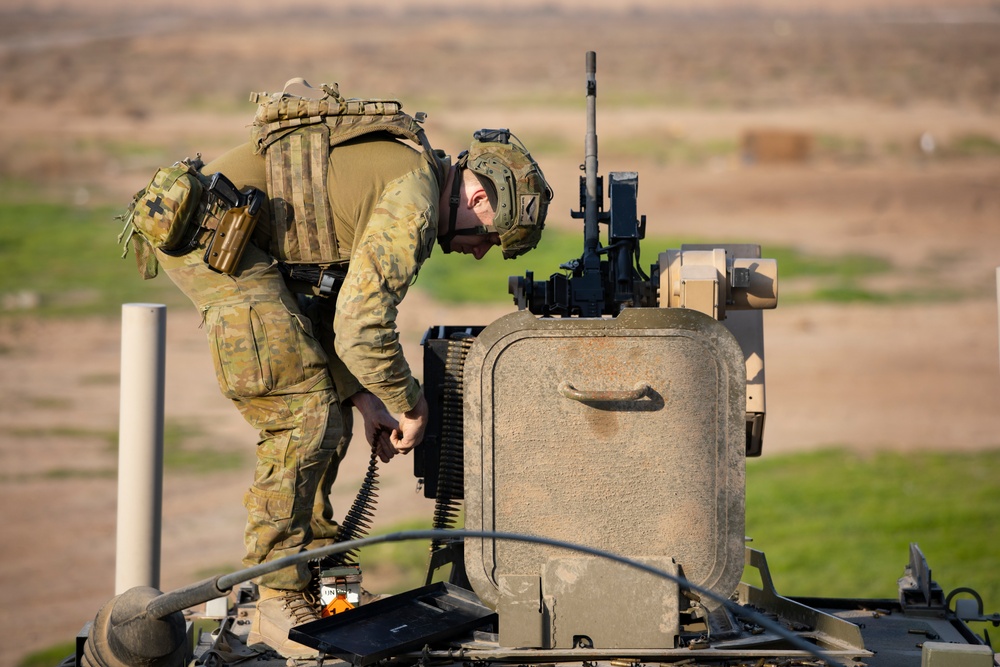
{"x": 523, "y": 195}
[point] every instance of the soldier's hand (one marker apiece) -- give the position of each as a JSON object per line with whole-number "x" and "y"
{"x": 379, "y": 424}
{"x": 411, "y": 427}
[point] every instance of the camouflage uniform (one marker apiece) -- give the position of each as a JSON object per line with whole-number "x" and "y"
{"x": 288, "y": 372}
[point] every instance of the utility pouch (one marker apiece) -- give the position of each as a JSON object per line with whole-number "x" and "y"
{"x": 233, "y": 232}
{"x": 163, "y": 210}
{"x": 160, "y": 214}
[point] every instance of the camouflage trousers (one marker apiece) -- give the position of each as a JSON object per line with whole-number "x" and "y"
{"x": 275, "y": 371}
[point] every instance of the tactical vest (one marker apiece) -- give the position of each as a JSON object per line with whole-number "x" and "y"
{"x": 296, "y": 134}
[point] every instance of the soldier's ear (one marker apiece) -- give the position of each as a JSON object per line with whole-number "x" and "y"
{"x": 475, "y": 191}
{"x": 478, "y": 198}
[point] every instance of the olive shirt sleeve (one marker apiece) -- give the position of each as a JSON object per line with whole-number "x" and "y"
{"x": 397, "y": 239}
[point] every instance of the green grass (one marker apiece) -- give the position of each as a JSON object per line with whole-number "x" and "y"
{"x": 50, "y": 656}
{"x": 109, "y": 437}
{"x": 672, "y": 150}
{"x": 793, "y": 263}
{"x": 395, "y": 567}
{"x": 69, "y": 473}
{"x": 559, "y": 97}
{"x": 838, "y": 524}
{"x": 852, "y": 149}
{"x": 179, "y": 456}
{"x": 178, "y": 453}
{"x": 462, "y": 279}
{"x": 66, "y": 259}
{"x": 61, "y": 260}
{"x": 974, "y": 145}
{"x": 836, "y": 278}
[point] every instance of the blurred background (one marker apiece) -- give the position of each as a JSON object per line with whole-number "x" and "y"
{"x": 857, "y": 141}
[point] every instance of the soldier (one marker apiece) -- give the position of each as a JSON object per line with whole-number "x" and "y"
{"x": 296, "y": 343}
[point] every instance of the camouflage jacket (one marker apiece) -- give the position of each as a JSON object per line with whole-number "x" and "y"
{"x": 388, "y": 248}
{"x": 384, "y": 196}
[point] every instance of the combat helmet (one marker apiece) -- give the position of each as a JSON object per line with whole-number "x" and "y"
{"x": 522, "y": 194}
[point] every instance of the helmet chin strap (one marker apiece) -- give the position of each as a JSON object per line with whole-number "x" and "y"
{"x": 453, "y": 202}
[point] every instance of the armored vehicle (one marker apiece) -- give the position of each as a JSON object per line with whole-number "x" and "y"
{"x": 596, "y": 442}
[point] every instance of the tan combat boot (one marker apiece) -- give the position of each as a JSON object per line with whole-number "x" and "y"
{"x": 277, "y": 613}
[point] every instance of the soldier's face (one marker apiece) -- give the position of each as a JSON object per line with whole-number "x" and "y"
{"x": 476, "y": 245}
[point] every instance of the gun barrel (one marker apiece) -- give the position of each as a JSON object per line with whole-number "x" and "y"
{"x": 591, "y": 233}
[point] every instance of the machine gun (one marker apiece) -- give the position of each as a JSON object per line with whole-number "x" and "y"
{"x": 606, "y": 279}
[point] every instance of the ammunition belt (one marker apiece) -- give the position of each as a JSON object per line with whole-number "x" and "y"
{"x": 326, "y": 281}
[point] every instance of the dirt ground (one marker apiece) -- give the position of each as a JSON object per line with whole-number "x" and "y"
{"x": 97, "y": 94}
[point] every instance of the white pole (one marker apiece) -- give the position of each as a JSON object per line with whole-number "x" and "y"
{"x": 998, "y": 298}
{"x": 140, "y": 446}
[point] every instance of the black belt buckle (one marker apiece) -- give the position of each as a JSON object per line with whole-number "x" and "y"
{"x": 329, "y": 284}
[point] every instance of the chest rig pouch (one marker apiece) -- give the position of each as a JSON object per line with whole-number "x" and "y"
{"x": 296, "y": 134}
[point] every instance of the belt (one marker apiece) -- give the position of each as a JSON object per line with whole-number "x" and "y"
{"x": 325, "y": 281}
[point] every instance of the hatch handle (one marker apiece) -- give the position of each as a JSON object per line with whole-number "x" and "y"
{"x": 634, "y": 394}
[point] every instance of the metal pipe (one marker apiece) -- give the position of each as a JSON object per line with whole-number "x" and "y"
{"x": 140, "y": 446}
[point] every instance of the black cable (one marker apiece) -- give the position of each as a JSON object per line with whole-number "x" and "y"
{"x": 208, "y": 589}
